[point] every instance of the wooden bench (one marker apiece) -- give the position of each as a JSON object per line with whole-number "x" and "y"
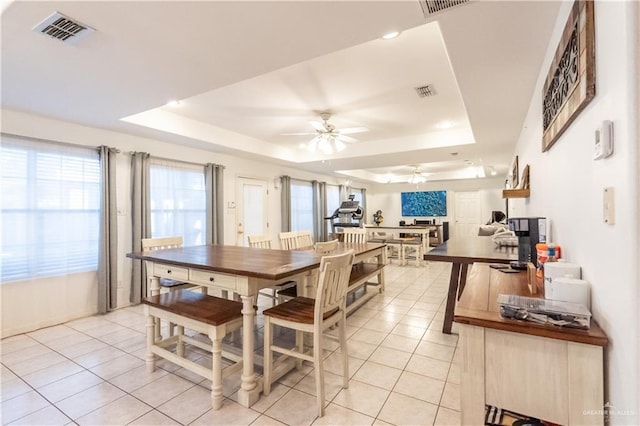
{"x": 361, "y": 273}
{"x": 213, "y": 316}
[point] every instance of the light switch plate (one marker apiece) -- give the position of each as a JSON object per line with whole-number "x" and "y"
{"x": 609, "y": 206}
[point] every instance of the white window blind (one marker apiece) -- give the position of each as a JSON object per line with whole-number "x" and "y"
{"x": 301, "y": 206}
{"x": 178, "y": 201}
{"x": 50, "y": 209}
{"x": 358, "y": 196}
{"x": 333, "y": 198}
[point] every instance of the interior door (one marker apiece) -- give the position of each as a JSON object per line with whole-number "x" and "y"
{"x": 251, "y": 209}
{"x": 467, "y": 214}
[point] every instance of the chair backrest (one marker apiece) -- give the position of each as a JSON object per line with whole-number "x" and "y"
{"x": 259, "y": 241}
{"x": 326, "y": 247}
{"x": 355, "y": 235}
{"x": 150, "y": 244}
{"x": 288, "y": 240}
{"x": 305, "y": 239}
{"x": 333, "y": 282}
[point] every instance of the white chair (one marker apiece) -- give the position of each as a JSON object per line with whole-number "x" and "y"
{"x": 355, "y": 235}
{"x": 288, "y": 240}
{"x": 270, "y": 292}
{"x": 259, "y": 241}
{"x": 304, "y": 239}
{"x": 151, "y": 244}
{"x": 325, "y": 247}
{"x": 412, "y": 248}
{"x": 313, "y": 316}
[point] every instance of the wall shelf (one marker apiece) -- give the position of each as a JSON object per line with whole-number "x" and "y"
{"x": 516, "y": 193}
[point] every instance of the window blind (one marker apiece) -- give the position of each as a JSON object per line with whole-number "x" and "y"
{"x": 50, "y": 209}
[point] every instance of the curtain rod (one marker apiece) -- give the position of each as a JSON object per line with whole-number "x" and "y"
{"x": 52, "y": 141}
{"x": 177, "y": 161}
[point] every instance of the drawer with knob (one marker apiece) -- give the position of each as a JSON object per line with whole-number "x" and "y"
{"x": 173, "y": 272}
{"x": 213, "y": 279}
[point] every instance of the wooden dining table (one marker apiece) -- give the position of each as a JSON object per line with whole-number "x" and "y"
{"x": 462, "y": 252}
{"x": 244, "y": 271}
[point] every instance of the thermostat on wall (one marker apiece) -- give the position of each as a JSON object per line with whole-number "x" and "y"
{"x": 604, "y": 140}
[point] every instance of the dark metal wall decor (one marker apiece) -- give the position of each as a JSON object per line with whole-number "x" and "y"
{"x": 571, "y": 80}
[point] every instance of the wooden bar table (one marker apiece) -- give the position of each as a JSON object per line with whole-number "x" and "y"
{"x": 462, "y": 252}
{"x": 242, "y": 270}
{"x": 544, "y": 371}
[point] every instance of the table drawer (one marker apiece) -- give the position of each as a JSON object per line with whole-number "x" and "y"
{"x": 173, "y": 272}
{"x": 212, "y": 278}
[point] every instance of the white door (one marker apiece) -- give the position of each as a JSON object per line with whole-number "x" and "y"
{"x": 251, "y": 209}
{"x": 467, "y": 214}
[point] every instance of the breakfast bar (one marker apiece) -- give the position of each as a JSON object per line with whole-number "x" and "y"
{"x": 462, "y": 252}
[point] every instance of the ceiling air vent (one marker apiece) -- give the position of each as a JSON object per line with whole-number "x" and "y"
{"x": 426, "y": 91}
{"x": 63, "y": 28}
{"x": 431, "y": 7}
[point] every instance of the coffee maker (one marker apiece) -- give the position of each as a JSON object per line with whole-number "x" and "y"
{"x": 530, "y": 231}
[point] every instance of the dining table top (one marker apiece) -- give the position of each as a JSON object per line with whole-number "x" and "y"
{"x": 472, "y": 249}
{"x": 270, "y": 264}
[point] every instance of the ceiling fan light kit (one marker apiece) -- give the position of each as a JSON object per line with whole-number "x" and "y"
{"x": 417, "y": 177}
{"x": 327, "y": 138}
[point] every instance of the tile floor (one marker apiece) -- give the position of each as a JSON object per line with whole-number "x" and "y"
{"x": 91, "y": 371}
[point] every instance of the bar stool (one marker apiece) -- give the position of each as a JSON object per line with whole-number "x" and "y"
{"x": 313, "y": 316}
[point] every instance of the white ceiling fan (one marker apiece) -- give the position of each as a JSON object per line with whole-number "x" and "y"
{"x": 327, "y": 137}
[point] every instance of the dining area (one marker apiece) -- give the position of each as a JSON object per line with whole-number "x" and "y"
{"x": 402, "y": 369}
{"x": 208, "y": 278}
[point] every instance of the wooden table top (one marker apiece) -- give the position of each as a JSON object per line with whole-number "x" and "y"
{"x": 478, "y": 306}
{"x": 268, "y": 264}
{"x": 404, "y": 227}
{"x": 470, "y": 250}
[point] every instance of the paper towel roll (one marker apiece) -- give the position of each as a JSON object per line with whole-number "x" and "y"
{"x": 571, "y": 290}
{"x": 553, "y": 270}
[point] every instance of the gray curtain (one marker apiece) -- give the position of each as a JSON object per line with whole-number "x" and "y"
{"x": 108, "y": 252}
{"x": 213, "y": 179}
{"x": 364, "y": 206}
{"x": 285, "y": 201}
{"x": 140, "y": 220}
{"x": 319, "y": 210}
{"x": 344, "y": 192}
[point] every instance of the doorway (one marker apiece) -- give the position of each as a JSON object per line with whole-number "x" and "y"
{"x": 467, "y": 214}
{"x": 251, "y": 209}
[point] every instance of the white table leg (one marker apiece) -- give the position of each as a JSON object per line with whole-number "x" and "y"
{"x": 249, "y": 392}
{"x": 150, "y": 357}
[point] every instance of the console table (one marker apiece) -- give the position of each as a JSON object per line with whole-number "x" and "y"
{"x": 423, "y": 230}
{"x": 544, "y": 371}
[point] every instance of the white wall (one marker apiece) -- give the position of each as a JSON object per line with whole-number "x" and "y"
{"x": 567, "y": 187}
{"x": 386, "y": 197}
{"x": 75, "y": 296}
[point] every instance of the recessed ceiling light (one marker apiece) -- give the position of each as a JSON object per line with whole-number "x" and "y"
{"x": 454, "y": 154}
{"x": 173, "y": 103}
{"x": 445, "y": 125}
{"x": 390, "y": 35}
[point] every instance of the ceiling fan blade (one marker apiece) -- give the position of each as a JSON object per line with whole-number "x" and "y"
{"x": 318, "y": 126}
{"x": 345, "y": 138}
{"x": 298, "y": 134}
{"x": 352, "y": 130}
